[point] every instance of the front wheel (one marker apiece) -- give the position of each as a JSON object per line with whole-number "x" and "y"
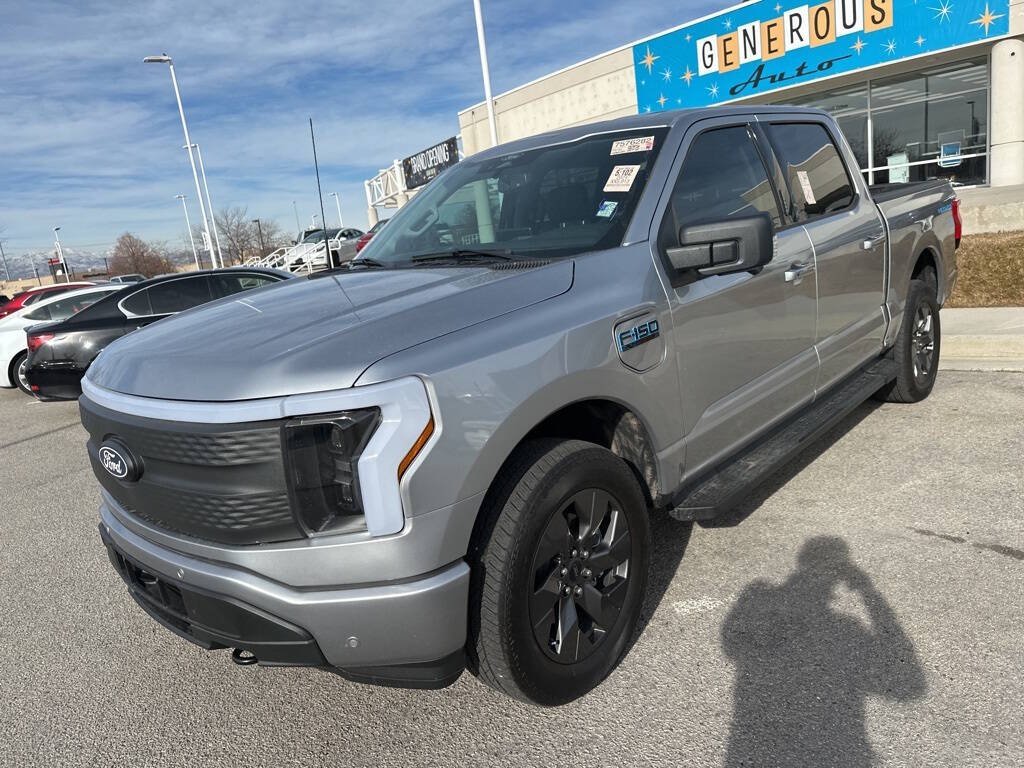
{"x": 916, "y": 351}
{"x": 17, "y": 373}
{"x": 559, "y": 572}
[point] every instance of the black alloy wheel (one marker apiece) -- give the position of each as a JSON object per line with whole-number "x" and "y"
{"x": 559, "y": 565}
{"x": 581, "y": 570}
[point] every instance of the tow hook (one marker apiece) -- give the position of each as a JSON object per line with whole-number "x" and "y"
{"x": 243, "y": 658}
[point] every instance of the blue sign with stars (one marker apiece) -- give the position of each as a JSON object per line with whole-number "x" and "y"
{"x": 763, "y": 46}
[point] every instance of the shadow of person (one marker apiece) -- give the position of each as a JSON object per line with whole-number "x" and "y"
{"x": 804, "y": 669}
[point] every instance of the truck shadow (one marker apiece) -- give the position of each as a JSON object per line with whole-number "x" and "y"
{"x": 804, "y": 670}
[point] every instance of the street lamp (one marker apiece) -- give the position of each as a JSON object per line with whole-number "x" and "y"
{"x": 188, "y": 226}
{"x": 337, "y": 202}
{"x": 7, "y": 270}
{"x": 60, "y": 255}
{"x": 209, "y": 203}
{"x": 482, "y": 44}
{"x": 165, "y": 59}
{"x": 263, "y": 248}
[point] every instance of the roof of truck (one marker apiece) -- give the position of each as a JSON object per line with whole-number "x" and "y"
{"x": 667, "y": 119}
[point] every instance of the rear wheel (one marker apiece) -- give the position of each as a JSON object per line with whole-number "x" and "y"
{"x": 917, "y": 348}
{"x": 17, "y": 373}
{"x": 559, "y": 572}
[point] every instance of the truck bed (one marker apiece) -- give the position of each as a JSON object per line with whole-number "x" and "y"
{"x": 883, "y": 193}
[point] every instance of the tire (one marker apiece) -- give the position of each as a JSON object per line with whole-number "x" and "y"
{"x": 17, "y": 373}
{"x": 917, "y": 348}
{"x": 534, "y": 542}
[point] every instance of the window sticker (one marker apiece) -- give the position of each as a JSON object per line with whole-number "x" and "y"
{"x": 606, "y": 209}
{"x": 621, "y": 178}
{"x": 636, "y": 144}
{"x": 805, "y": 185}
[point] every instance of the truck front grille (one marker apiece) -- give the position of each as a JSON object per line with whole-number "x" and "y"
{"x": 221, "y": 483}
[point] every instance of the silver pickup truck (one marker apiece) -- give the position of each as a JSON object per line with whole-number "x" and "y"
{"x": 445, "y": 455}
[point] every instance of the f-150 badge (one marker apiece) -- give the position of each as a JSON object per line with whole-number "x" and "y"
{"x": 637, "y": 335}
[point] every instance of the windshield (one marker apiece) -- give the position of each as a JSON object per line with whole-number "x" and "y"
{"x": 547, "y": 202}
{"x": 317, "y": 235}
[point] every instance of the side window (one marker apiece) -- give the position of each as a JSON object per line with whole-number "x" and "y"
{"x": 39, "y": 313}
{"x": 138, "y": 304}
{"x": 722, "y": 177}
{"x": 227, "y": 285}
{"x": 817, "y": 176}
{"x": 179, "y": 295}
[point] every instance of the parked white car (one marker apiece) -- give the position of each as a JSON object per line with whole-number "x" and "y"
{"x": 58, "y": 307}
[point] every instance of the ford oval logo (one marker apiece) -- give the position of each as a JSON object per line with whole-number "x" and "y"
{"x": 116, "y": 459}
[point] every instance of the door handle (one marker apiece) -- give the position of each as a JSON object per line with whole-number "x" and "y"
{"x": 798, "y": 271}
{"x": 870, "y": 245}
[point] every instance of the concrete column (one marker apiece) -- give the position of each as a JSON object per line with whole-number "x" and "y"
{"x": 371, "y": 216}
{"x": 1006, "y": 164}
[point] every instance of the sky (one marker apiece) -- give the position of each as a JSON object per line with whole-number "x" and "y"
{"x": 91, "y": 141}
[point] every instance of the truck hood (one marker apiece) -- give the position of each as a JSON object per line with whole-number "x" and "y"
{"x": 313, "y": 335}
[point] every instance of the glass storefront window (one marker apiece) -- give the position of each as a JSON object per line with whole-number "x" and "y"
{"x": 936, "y": 117}
{"x": 924, "y": 125}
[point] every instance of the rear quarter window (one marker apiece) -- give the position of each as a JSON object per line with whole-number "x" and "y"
{"x": 816, "y": 174}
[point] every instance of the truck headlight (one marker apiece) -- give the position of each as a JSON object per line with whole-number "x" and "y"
{"x": 322, "y": 463}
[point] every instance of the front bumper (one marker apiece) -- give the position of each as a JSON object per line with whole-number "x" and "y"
{"x": 409, "y": 632}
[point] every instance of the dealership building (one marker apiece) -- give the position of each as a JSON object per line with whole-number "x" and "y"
{"x": 921, "y": 88}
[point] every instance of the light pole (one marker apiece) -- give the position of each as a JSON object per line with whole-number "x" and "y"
{"x": 337, "y": 202}
{"x": 7, "y": 270}
{"x": 60, "y": 255}
{"x": 188, "y": 226}
{"x": 486, "y": 72}
{"x": 165, "y": 59}
{"x": 263, "y": 248}
{"x": 209, "y": 204}
{"x": 298, "y": 227}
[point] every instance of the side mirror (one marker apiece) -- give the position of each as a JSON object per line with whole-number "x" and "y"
{"x": 721, "y": 247}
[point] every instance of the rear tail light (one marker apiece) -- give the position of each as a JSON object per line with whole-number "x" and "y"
{"x": 362, "y": 241}
{"x": 36, "y": 340}
{"x": 322, "y": 463}
{"x": 958, "y": 223}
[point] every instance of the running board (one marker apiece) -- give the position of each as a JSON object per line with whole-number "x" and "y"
{"x": 726, "y": 485}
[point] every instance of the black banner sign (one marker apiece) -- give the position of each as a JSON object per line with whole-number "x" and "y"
{"x": 424, "y": 166}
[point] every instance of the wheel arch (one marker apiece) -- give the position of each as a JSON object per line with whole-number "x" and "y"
{"x": 604, "y": 421}
{"x": 926, "y": 268}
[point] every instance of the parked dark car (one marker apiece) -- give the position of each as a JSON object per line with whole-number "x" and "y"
{"x": 59, "y": 353}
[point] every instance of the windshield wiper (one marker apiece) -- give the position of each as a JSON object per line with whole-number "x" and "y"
{"x": 462, "y": 255}
{"x": 365, "y": 263}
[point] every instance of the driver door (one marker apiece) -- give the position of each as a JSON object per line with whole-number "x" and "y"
{"x": 744, "y": 341}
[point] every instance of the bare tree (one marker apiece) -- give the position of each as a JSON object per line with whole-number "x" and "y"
{"x": 240, "y": 236}
{"x": 239, "y": 240}
{"x": 134, "y": 255}
{"x": 273, "y": 236}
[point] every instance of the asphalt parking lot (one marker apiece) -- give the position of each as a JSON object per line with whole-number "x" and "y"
{"x": 865, "y": 608}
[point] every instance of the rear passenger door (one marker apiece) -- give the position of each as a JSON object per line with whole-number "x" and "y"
{"x": 744, "y": 341}
{"x": 848, "y": 236}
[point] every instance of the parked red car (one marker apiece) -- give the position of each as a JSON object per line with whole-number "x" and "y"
{"x": 364, "y": 239}
{"x": 32, "y": 295}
